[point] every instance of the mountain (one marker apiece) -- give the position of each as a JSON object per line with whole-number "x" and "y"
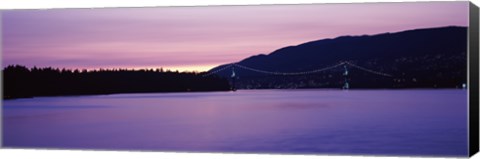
{"x": 420, "y": 58}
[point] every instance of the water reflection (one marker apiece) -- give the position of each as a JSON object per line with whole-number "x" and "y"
{"x": 400, "y": 122}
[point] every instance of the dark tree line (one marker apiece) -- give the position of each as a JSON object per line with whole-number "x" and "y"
{"x": 20, "y": 81}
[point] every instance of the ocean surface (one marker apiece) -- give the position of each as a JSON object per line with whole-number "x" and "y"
{"x": 313, "y": 121}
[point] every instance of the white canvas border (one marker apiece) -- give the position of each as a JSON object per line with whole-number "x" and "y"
{"x": 80, "y": 154}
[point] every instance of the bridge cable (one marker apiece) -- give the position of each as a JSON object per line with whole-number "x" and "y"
{"x": 218, "y": 70}
{"x": 297, "y": 73}
{"x": 368, "y": 70}
{"x": 289, "y": 73}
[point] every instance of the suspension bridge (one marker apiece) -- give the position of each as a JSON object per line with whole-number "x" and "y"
{"x": 345, "y": 65}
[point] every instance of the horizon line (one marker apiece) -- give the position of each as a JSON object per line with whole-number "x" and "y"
{"x": 188, "y": 69}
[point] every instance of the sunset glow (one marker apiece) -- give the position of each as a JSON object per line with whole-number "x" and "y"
{"x": 198, "y": 38}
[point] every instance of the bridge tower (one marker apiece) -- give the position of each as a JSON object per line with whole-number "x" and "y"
{"x": 345, "y": 76}
{"x": 233, "y": 76}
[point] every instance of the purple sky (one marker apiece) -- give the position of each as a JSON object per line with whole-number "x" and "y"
{"x": 198, "y": 38}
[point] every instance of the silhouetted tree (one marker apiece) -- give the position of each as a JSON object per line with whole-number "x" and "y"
{"x": 19, "y": 81}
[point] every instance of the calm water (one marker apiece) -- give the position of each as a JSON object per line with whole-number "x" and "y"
{"x": 379, "y": 122}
